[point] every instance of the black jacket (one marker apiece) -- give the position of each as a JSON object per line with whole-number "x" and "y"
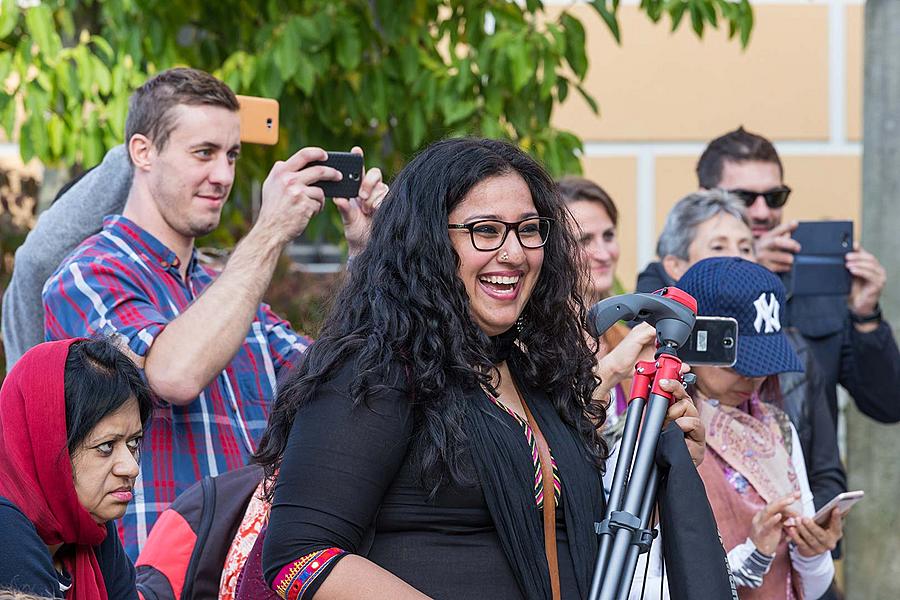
{"x": 694, "y": 556}
{"x": 26, "y": 564}
{"x": 866, "y": 364}
{"x": 803, "y": 397}
{"x": 652, "y": 278}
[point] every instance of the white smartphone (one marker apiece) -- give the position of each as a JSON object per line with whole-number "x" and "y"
{"x": 842, "y": 502}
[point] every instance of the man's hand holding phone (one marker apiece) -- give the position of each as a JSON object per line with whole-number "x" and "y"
{"x": 775, "y": 249}
{"x": 357, "y": 213}
{"x": 289, "y": 198}
{"x": 869, "y": 279}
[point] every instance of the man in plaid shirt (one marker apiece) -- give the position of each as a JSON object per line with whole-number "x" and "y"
{"x": 210, "y": 349}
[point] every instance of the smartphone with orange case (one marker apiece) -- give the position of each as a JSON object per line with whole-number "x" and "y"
{"x": 259, "y": 120}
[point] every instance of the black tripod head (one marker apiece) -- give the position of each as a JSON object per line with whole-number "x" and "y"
{"x": 670, "y": 310}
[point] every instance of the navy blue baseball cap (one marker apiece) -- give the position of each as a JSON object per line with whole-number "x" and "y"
{"x": 734, "y": 287}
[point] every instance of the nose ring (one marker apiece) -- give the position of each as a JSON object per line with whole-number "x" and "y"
{"x": 504, "y": 256}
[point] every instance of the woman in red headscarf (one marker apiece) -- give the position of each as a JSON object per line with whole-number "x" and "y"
{"x": 71, "y": 420}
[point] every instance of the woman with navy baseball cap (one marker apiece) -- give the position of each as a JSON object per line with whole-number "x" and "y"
{"x": 754, "y": 471}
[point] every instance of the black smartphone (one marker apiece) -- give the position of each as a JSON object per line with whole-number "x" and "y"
{"x": 713, "y": 342}
{"x": 820, "y": 266}
{"x": 351, "y": 166}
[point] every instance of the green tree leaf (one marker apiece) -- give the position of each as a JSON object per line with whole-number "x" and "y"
{"x": 39, "y": 22}
{"x": 575, "y": 52}
{"x": 85, "y": 69}
{"x": 56, "y": 131}
{"x": 287, "y": 49}
{"x": 348, "y": 47}
{"x": 676, "y": 12}
{"x": 26, "y": 141}
{"x": 268, "y": 78}
{"x": 91, "y": 143}
{"x": 609, "y": 17}
{"x": 522, "y": 67}
{"x": 455, "y": 112}
{"x": 409, "y": 62}
{"x": 305, "y": 76}
{"x": 102, "y": 75}
{"x": 104, "y": 47}
{"x": 9, "y": 17}
{"x": 416, "y": 127}
{"x": 588, "y": 98}
{"x": 6, "y": 60}
{"x": 8, "y": 118}
{"x": 696, "y": 19}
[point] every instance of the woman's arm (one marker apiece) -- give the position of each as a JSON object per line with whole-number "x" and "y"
{"x": 339, "y": 461}
{"x": 356, "y": 577}
{"x": 748, "y": 564}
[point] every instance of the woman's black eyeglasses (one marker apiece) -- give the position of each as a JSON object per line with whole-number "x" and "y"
{"x": 775, "y": 198}
{"x": 488, "y": 234}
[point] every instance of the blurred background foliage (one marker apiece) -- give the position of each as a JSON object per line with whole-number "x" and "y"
{"x": 388, "y": 75}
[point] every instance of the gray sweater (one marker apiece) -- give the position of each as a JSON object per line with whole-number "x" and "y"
{"x": 75, "y": 216}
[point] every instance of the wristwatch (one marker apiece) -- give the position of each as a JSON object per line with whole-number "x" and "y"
{"x": 873, "y": 317}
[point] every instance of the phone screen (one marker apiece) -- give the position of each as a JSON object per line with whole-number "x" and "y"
{"x": 713, "y": 342}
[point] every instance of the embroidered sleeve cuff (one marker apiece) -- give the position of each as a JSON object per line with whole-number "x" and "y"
{"x": 300, "y": 579}
{"x": 748, "y": 564}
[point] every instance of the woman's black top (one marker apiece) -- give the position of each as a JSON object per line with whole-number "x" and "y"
{"x": 26, "y": 564}
{"x": 347, "y": 481}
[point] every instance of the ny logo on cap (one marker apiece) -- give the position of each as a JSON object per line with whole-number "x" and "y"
{"x": 767, "y": 313}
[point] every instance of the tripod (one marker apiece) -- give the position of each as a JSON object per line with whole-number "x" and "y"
{"x": 625, "y": 530}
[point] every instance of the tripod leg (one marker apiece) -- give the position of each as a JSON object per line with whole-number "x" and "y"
{"x": 644, "y": 461}
{"x": 617, "y": 489}
{"x": 634, "y": 552}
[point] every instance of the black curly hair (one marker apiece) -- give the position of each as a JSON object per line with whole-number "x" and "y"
{"x": 404, "y": 316}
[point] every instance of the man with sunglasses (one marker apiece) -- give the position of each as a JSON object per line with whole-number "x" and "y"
{"x": 850, "y": 341}
{"x": 853, "y": 344}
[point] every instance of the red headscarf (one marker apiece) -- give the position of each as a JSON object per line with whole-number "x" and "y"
{"x": 35, "y": 467}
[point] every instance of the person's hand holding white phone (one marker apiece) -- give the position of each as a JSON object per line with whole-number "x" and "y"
{"x": 822, "y": 532}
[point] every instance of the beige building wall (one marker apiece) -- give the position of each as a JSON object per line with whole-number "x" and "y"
{"x": 663, "y": 96}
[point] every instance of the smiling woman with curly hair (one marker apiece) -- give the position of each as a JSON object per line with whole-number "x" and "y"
{"x": 447, "y": 401}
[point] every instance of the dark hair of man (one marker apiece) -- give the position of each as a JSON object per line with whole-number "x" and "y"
{"x": 735, "y": 146}
{"x": 150, "y": 106}
{"x": 404, "y": 316}
{"x": 99, "y": 379}
{"x": 573, "y": 189}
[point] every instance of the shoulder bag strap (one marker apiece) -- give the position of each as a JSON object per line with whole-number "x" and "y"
{"x": 549, "y": 501}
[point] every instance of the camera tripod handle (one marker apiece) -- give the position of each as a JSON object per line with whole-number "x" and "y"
{"x": 670, "y": 310}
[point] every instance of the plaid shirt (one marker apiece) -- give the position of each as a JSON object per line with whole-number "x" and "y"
{"x": 123, "y": 281}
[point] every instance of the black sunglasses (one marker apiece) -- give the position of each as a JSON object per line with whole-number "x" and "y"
{"x": 775, "y": 198}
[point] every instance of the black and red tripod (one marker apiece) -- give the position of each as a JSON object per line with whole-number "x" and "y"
{"x": 625, "y": 530}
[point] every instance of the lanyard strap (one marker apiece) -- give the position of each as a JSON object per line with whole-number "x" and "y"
{"x": 549, "y": 501}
